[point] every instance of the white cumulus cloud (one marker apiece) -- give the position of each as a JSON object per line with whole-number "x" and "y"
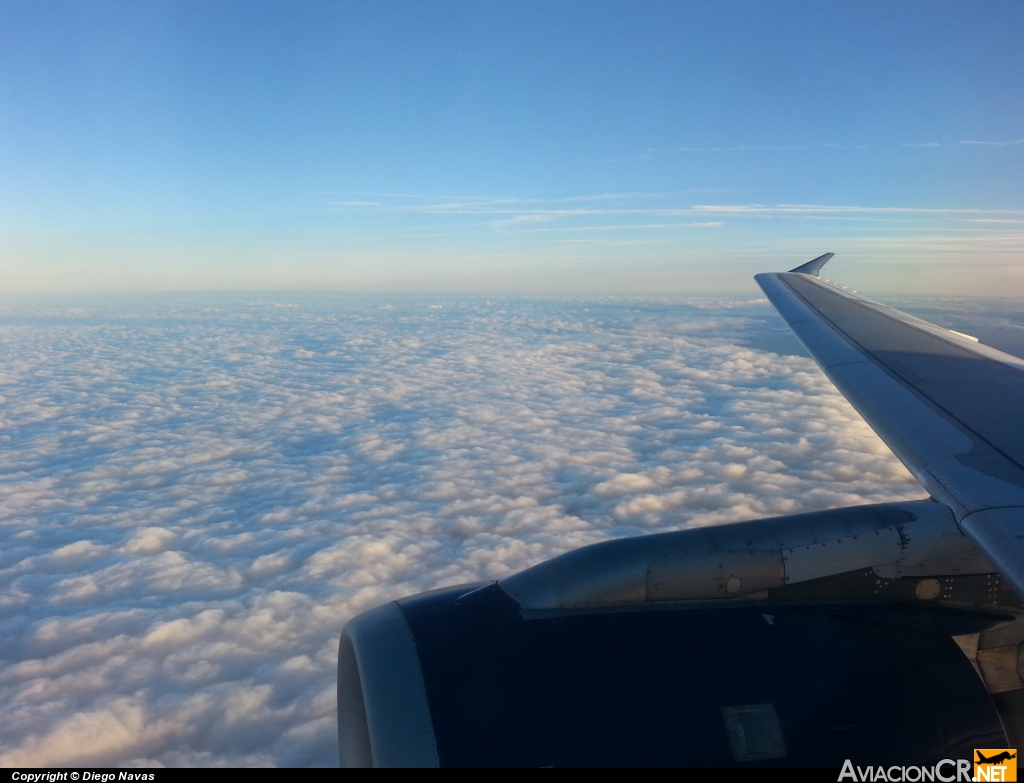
{"x": 196, "y": 494}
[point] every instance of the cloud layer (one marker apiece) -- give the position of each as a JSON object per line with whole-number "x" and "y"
{"x": 198, "y": 493}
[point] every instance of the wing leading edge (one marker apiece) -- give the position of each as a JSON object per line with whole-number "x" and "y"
{"x": 949, "y": 407}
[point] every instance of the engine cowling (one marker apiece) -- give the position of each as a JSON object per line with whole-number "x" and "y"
{"x": 638, "y": 653}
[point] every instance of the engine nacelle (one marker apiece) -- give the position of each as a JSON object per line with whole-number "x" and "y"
{"x": 712, "y": 647}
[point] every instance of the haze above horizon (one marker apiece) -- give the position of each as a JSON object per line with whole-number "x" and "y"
{"x": 510, "y": 147}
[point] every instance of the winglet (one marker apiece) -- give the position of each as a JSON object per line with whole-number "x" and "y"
{"x": 813, "y": 267}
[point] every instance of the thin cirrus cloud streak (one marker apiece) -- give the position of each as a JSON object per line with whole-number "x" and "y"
{"x": 490, "y": 206}
{"x": 1011, "y": 143}
{"x": 632, "y": 226}
{"x": 826, "y": 145}
{"x": 197, "y": 493}
{"x": 457, "y": 201}
{"x": 831, "y": 145}
{"x": 762, "y": 148}
{"x": 526, "y": 217}
{"x": 791, "y": 209}
{"x": 659, "y": 224}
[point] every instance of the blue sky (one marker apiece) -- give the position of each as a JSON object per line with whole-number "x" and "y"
{"x": 510, "y": 146}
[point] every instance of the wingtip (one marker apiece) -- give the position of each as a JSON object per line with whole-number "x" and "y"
{"x": 814, "y": 267}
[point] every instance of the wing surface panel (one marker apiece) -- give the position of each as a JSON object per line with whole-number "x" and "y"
{"x": 950, "y": 408}
{"x": 973, "y": 390}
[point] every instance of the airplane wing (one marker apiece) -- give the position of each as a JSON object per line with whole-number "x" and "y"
{"x": 949, "y": 407}
{"x": 880, "y": 634}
